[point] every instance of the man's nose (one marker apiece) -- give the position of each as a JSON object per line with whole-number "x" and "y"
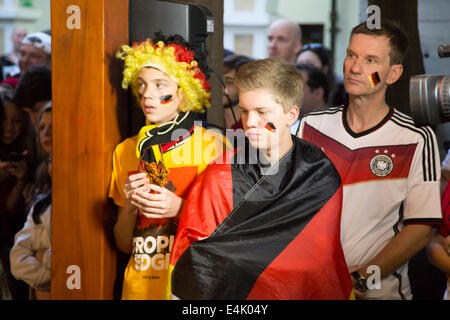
{"x": 252, "y": 119}
{"x": 355, "y": 66}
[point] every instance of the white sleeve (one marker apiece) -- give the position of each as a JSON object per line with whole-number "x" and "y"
{"x": 423, "y": 202}
{"x": 24, "y": 265}
{"x": 300, "y": 128}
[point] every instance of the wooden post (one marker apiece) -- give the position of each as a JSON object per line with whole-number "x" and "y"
{"x": 86, "y": 128}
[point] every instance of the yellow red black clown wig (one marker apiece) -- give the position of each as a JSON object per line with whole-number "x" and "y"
{"x": 175, "y": 60}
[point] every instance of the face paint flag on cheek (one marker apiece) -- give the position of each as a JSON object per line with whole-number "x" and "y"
{"x": 166, "y": 99}
{"x": 270, "y": 127}
{"x": 374, "y": 79}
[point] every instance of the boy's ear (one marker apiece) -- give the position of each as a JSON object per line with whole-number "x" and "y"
{"x": 293, "y": 114}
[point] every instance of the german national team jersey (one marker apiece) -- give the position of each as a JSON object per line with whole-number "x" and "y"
{"x": 391, "y": 178}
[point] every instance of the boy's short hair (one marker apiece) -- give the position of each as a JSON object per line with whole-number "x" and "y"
{"x": 316, "y": 79}
{"x": 398, "y": 40}
{"x": 273, "y": 74}
{"x": 234, "y": 62}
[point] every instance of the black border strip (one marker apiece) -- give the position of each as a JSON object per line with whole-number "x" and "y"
{"x": 425, "y": 138}
{"x": 366, "y": 132}
{"x": 427, "y": 130}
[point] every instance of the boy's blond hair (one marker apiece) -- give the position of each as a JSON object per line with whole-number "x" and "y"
{"x": 283, "y": 80}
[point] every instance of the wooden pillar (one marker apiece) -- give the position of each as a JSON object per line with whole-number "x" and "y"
{"x": 86, "y": 128}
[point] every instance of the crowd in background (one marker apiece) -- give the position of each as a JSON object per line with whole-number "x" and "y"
{"x": 322, "y": 87}
{"x": 25, "y": 166}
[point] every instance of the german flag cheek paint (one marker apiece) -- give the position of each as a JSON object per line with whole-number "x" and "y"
{"x": 374, "y": 79}
{"x": 166, "y": 99}
{"x": 270, "y": 127}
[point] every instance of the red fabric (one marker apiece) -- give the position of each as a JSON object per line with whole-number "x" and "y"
{"x": 445, "y": 226}
{"x": 196, "y": 220}
{"x": 318, "y": 255}
{"x": 11, "y": 81}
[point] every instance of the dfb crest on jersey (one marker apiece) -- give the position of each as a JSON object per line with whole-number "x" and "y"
{"x": 381, "y": 165}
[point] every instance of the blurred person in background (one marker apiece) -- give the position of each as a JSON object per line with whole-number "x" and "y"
{"x": 315, "y": 91}
{"x": 35, "y": 48}
{"x": 320, "y": 57}
{"x": 10, "y": 61}
{"x": 30, "y": 255}
{"x": 284, "y": 40}
{"x": 34, "y": 91}
{"x": 231, "y": 65}
{"x": 17, "y": 161}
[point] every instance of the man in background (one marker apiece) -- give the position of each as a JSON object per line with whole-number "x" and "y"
{"x": 36, "y": 48}
{"x": 284, "y": 40}
{"x": 10, "y": 61}
{"x": 231, "y": 65}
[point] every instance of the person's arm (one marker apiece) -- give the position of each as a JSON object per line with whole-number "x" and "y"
{"x": 397, "y": 252}
{"x": 438, "y": 252}
{"x": 124, "y": 227}
{"x": 400, "y": 249}
{"x": 18, "y": 170}
{"x": 24, "y": 263}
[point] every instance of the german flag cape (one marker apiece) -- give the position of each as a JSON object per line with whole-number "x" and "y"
{"x": 244, "y": 235}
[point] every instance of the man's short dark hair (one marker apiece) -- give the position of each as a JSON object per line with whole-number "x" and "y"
{"x": 35, "y": 85}
{"x": 316, "y": 79}
{"x": 235, "y": 61}
{"x": 398, "y": 40}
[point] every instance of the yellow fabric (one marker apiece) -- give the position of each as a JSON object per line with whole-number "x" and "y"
{"x": 146, "y": 274}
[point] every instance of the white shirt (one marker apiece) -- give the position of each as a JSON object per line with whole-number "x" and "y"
{"x": 390, "y": 175}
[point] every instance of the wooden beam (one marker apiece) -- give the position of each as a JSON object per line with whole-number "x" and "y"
{"x": 86, "y": 128}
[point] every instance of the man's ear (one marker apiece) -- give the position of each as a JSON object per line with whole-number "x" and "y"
{"x": 298, "y": 48}
{"x": 394, "y": 74}
{"x": 293, "y": 114}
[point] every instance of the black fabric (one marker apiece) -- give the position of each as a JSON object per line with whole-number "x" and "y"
{"x": 274, "y": 210}
{"x": 163, "y": 134}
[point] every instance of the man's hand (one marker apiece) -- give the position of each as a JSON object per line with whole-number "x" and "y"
{"x": 360, "y": 269}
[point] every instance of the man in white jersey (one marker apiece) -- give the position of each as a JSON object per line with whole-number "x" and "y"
{"x": 389, "y": 167}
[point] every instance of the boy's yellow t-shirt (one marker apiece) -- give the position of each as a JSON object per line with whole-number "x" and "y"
{"x": 146, "y": 274}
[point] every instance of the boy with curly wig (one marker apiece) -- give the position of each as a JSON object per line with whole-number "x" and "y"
{"x": 153, "y": 170}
